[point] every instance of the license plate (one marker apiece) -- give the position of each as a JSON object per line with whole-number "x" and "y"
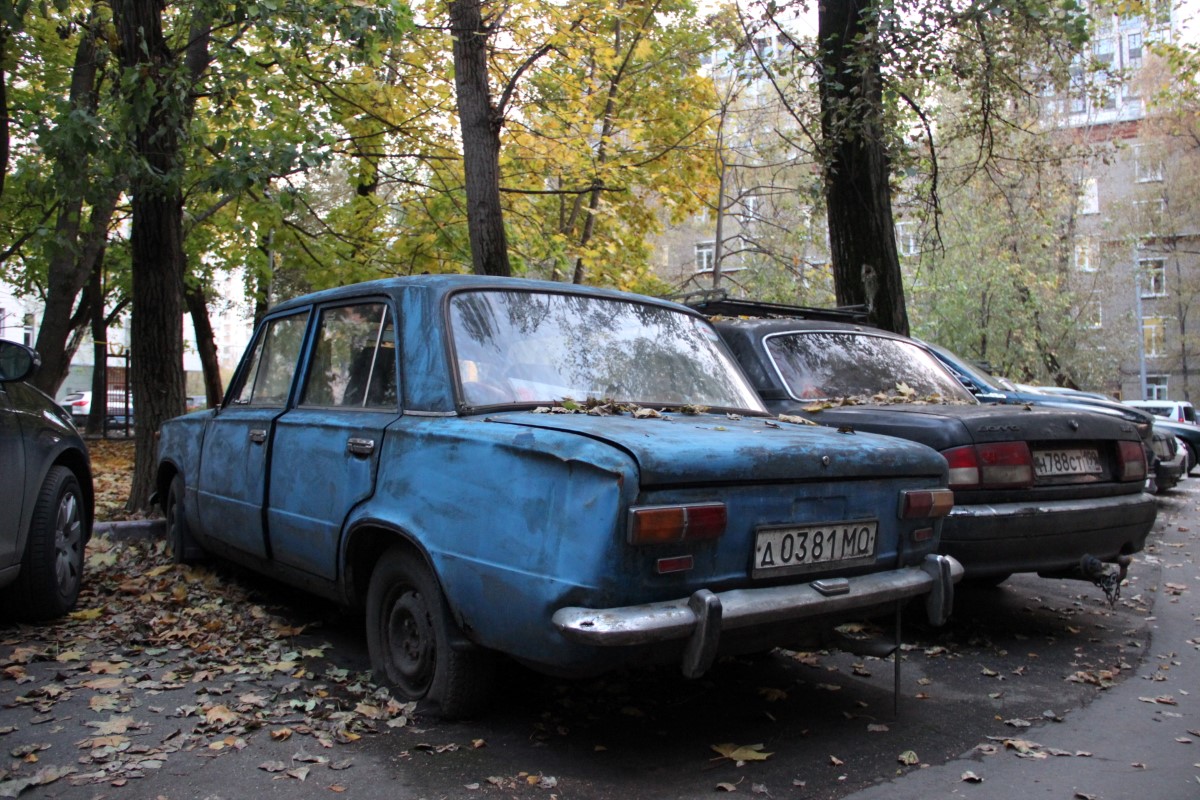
{"x": 811, "y": 548}
{"x": 1048, "y": 463}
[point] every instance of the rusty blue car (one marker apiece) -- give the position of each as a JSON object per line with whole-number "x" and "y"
{"x": 578, "y": 479}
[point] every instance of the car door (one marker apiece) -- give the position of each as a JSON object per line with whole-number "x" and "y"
{"x": 12, "y": 466}
{"x": 325, "y": 451}
{"x": 232, "y": 483}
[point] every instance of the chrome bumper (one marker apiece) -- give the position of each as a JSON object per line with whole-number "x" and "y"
{"x": 701, "y": 617}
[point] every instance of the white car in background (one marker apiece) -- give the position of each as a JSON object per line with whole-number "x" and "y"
{"x": 120, "y": 407}
{"x": 1174, "y": 410}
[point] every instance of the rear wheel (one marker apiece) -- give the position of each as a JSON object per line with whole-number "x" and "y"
{"x": 184, "y": 549}
{"x": 415, "y": 645}
{"x": 52, "y": 567}
{"x": 1191, "y": 456}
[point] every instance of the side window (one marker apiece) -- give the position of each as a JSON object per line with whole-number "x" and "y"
{"x": 272, "y": 363}
{"x": 354, "y": 364}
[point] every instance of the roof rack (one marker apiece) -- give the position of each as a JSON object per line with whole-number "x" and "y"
{"x": 715, "y": 302}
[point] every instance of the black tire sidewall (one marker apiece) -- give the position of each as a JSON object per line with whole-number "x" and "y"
{"x": 395, "y": 571}
{"x": 177, "y": 538}
{"x": 36, "y": 595}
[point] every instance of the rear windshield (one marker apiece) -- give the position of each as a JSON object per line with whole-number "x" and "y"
{"x": 834, "y": 365}
{"x": 518, "y": 347}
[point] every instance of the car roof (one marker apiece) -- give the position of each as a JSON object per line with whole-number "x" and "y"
{"x": 440, "y": 285}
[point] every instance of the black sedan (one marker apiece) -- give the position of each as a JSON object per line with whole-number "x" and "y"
{"x": 1040, "y": 490}
{"x": 46, "y": 517}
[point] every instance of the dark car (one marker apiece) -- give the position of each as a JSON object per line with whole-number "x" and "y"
{"x": 989, "y": 388}
{"x": 46, "y": 516}
{"x": 580, "y": 479}
{"x": 1036, "y": 489}
{"x": 1188, "y": 434}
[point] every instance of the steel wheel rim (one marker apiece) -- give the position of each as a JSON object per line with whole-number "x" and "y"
{"x": 68, "y": 530}
{"x": 411, "y": 643}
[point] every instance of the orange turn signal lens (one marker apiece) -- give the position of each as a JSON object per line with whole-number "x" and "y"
{"x": 667, "y": 524}
{"x": 923, "y": 503}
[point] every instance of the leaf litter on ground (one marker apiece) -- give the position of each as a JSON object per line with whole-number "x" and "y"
{"x": 169, "y": 660}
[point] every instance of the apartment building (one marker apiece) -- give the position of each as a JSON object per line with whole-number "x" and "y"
{"x": 1136, "y": 240}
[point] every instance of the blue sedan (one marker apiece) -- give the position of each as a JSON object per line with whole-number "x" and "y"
{"x": 576, "y": 478}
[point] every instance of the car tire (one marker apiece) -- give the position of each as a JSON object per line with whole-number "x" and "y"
{"x": 1191, "y": 457}
{"x": 52, "y": 566}
{"x": 414, "y": 645}
{"x": 181, "y": 544}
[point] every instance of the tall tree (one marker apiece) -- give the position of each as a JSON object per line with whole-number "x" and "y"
{"x": 481, "y": 121}
{"x": 879, "y": 68}
{"x": 155, "y": 83}
{"x": 857, "y": 168}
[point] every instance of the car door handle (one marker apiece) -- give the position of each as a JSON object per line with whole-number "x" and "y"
{"x": 360, "y": 447}
{"x": 258, "y": 436}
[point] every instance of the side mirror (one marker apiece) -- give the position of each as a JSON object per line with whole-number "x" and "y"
{"x": 17, "y": 362}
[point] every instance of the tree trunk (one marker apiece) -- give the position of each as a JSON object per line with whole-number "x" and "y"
{"x": 206, "y": 344}
{"x": 862, "y": 238}
{"x": 156, "y": 237}
{"x": 480, "y": 123}
{"x": 72, "y": 261}
{"x": 94, "y": 298}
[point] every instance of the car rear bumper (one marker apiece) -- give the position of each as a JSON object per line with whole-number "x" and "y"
{"x": 701, "y": 618}
{"x": 1004, "y": 538}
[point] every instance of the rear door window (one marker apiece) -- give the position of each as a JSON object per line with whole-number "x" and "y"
{"x": 354, "y": 361}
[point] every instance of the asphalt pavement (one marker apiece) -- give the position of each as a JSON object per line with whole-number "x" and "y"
{"x": 1139, "y": 739}
{"x": 215, "y": 685}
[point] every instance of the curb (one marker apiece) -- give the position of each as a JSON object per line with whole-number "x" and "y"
{"x": 131, "y": 529}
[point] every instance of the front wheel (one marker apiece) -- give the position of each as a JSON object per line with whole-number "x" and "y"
{"x": 52, "y": 567}
{"x": 415, "y": 645}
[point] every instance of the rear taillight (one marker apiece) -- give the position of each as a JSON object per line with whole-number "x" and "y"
{"x": 667, "y": 524}
{"x": 999, "y": 465}
{"x": 79, "y": 403}
{"x": 1132, "y": 461}
{"x": 923, "y": 503}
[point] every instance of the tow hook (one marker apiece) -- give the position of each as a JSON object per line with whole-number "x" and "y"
{"x": 1107, "y": 576}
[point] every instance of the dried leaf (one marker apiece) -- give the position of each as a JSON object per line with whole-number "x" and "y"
{"x": 971, "y": 777}
{"x": 742, "y": 752}
{"x": 909, "y": 758}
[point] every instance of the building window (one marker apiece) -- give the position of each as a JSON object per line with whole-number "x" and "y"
{"x": 1156, "y": 387}
{"x": 764, "y": 46}
{"x": 751, "y": 206}
{"x": 1149, "y": 166}
{"x": 1153, "y": 274}
{"x": 1089, "y": 197}
{"x": 1154, "y": 336}
{"x": 1103, "y": 51}
{"x": 1148, "y": 215}
{"x": 907, "y": 242}
{"x": 1133, "y": 49}
{"x": 1085, "y": 255}
{"x": 706, "y": 254}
